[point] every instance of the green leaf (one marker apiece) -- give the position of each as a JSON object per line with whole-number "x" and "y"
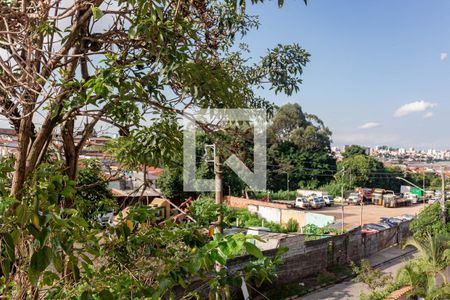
{"x": 49, "y": 278}
{"x": 22, "y": 214}
{"x": 9, "y": 245}
{"x": 41, "y": 259}
{"x": 253, "y": 250}
{"x": 106, "y": 295}
{"x": 57, "y": 262}
{"x": 97, "y": 13}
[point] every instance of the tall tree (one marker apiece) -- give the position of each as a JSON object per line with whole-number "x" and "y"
{"x": 299, "y": 150}
{"x": 72, "y": 65}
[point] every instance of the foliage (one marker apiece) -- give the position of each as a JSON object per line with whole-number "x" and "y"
{"x": 353, "y": 150}
{"x": 205, "y": 211}
{"x": 316, "y": 231}
{"x": 117, "y": 62}
{"x": 171, "y": 183}
{"x": 244, "y": 218}
{"x": 39, "y": 237}
{"x": 154, "y": 145}
{"x": 300, "y": 150}
{"x": 279, "y": 195}
{"x": 335, "y": 188}
{"x": 93, "y": 195}
{"x": 374, "y": 278}
{"x": 434, "y": 253}
{"x": 292, "y": 225}
{"x": 429, "y": 221}
{"x": 359, "y": 170}
{"x": 422, "y": 272}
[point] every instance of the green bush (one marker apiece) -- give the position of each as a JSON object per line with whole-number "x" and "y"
{"x": 316, "y": 232}
{"x": 93, "y": 195}
{"x": 205, "y": 211}
{"x": 429, "y": 221}
{"x": 280, "y": 195}
{"x": 292, "y": 225}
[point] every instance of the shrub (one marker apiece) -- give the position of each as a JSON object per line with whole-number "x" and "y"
{"x": 292, "y": 225}
{"x": 280, "y": 195}
{"x": 374, "y": 278}
{"x": 429, "y": 221}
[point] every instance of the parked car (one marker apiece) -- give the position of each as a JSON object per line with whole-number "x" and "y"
{"x": 413, "y": 198}
{"x": 405, "y": 217}
{"x": 302, "y": 202}
{"x": 394, "y": 221}
{"x": 321, "y": 201}
{"x": 371, "y": 228}
{"x": 328, "y": 200}
{"x": 386, "y": 223}
{"x": 433, "y": 200}
{"x": 315, "y": 202}
{"x": 106, "y": 219}
{"x": 354, "y": 198}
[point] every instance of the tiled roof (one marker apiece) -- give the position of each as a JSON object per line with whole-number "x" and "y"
{"x": 395, "y": 295}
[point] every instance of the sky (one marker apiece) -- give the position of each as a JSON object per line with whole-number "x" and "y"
{"x": 379, "y": 72}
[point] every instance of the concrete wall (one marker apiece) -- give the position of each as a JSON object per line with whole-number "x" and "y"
{"x": 279, "y": 213}
{"x": 297, "y": 215}
{"x": 318, "y": 219}
{"x": 305, "y": 258}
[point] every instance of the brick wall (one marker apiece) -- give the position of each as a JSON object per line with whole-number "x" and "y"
{"x": 238, "y": 202}
{"x": 313, "y": 256}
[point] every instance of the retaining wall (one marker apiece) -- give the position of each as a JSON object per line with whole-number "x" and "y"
{"x": 306, "y": 258}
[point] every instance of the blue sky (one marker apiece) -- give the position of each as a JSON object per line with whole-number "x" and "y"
{"x": 368, "y": 59}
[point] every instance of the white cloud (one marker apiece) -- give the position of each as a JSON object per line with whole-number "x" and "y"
{"x": 428, "y": 114}
{"x": 413, "y": 107}
{"x": 369, "y": 125}
{"x": 444, "y": 55}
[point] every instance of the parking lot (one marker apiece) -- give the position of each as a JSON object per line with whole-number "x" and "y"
{"x": 371, "y": 213}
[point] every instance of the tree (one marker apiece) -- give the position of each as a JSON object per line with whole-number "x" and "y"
{"x": 116, "y": 61}
{"x": 300, "y": 149}
{"x": 429, "y": 221}
{"x": 434, "y": 254}
{"x": 360, "y": 171}
{"x": 79, "y": 64}
{"x": 354, "y": 150}
{"x": 93, "y": 195}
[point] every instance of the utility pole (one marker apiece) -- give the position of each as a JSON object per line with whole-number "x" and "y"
{"x": 443, "y": 198}
{"x": 287, "y": 185}
{"x": 218, "y": 183}
{"x": 342, "y": 208}
{"x": 342, "y": 197}
{"x": 362, "y": 205}
{"x": 219, "y": 187}
{"x": 423, "y": 188}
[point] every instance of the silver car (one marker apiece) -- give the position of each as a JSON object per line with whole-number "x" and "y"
{"x": 302, "y": 202}
{"x": 315, "y": 202}
{"x": 328, "y": 200}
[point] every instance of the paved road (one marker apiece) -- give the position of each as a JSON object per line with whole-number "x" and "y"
{"x": 389, "y": 260}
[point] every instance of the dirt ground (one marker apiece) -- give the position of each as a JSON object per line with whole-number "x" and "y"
{"x": 371, "y": 213}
